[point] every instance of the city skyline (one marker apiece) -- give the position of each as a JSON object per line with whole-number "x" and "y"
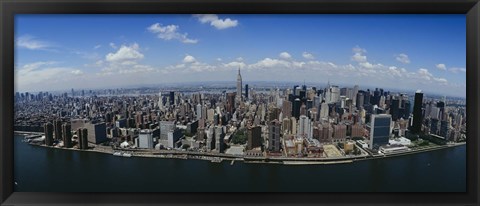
{"x": 407, "y": 52}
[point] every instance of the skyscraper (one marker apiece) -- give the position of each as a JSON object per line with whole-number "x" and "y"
{"x": 274, "y": 136}
{"x": 172, "y": 98}
{"x": 296, "y": 108}
{"x": 254, "y": 137}
{"x": 246, "y": 91}
{"x": 239, "y": 86}
{"x": 360, "y": 99}
{"x": 380, "y": 130}
{"x": 67, "y": 135}
{"x": 58, "y": 129}
{"x": 287, "y": 108}
{"x": 48, "y": 129}
{"x": 304, "y": 127}
{"x": 199, "y": 111}
{"x": 145, "y": 139}
{"x": 417, "y": 112}
{"x": 82, "y": 134}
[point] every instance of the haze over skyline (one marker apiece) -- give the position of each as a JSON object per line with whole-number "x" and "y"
{"x": 410, "y": 52}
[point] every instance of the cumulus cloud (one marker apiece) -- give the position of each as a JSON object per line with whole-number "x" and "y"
{"x": 307, "y": 55}
{"x": 403, "y": 58}
{"x": 125, "y": 53}
{"x": 189, "y": 59}
{"x": 359, "y": 54}
{"x": 285, "y": 55}
{"x": 170, "y": 32}
{"x": 215, "y": 21}
{"x": 441, "y": 67}
{"x": 32, "y": 43}
{"x": 125, "y": 60}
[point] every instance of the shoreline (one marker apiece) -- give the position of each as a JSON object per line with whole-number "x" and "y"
{"x": 219, "y": 157}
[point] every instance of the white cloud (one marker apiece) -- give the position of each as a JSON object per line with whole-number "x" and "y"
{"x": 425, "y": 74}
{"x": 112, "y": 45}
{"x": 33, "y": 66}
{"x": 457, "y": 70}
{"x": 440, "y": 80}
{"x": 441, "y": 67}
{"x": 307, "y": 55}
{"x": 77, "y": 72}
{"x": 240, "y": 59}
{"x": 215, "y": 21}
{"x": 359, "y": 54}
{"x": 126, "y": 60}
{"x": 37, "y": 75}
{"x": 32, "y": 43}
{"x": 285, "y": 55}
{"x": 269, "y": 63}
{"x": 170, "y": 32}
{"x": 403, "y": 58}
{"x": 189, "y": 59}
{"x": 97, "y": 46}
{"x": 125, "y": 53}
{"x": 235, "y": 65}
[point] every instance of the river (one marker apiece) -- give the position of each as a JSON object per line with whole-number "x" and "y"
{"x": 40, "y": 169}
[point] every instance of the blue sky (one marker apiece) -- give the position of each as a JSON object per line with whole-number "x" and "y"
{"x": 92, "y": 51}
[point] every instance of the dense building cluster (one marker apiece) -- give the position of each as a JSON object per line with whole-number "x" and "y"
{"x": 299, "y": 121}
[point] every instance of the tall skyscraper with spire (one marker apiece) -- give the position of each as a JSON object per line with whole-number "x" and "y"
{"x": 239, "y": 86}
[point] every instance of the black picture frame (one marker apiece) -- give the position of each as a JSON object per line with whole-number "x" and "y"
{"x": 8, "y": 8}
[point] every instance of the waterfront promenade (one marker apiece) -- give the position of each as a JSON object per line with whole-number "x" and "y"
{"x": 219, "y": 157}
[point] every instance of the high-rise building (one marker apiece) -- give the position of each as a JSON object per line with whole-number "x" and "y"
{"x": 339, "y": 133}
{"x": 304, "y": 127}
{"x": 48, "y": 130}
{"x": 287, "y": 109}
{"x": 417, "y": 112}
{"x": 254, "y": 137}
{"x": 274, "y": 136}
{"x": 210, "y": 143}
{"x": 97, "y": 132}
{"x": 395, "y": 109}
{"x": 287, "y": 126}
{"x": 360, "y": 99}
{"x": 239, "y": 86}
{"x": 246, "y": 91}
{"x": 434, "y": 126}
{"x": 219, "y": 139}
{"x": 444, "y": 129}
{"x": 199, "y": 111}
{"x": 231, "y": 102}
{"x": 67, "y": 135}
{"x": 296, "y": 108}
{"x": 324, "y": 111}
{"x": 82, "y": 134}
{"x": 165, "y": 128}
{"x": 357, "y": 130}
{"x": 379, "y": 130}
{"x": 171, "y": 98}
{"x": 145, "y": 139}
{"x": 58, "y": 129}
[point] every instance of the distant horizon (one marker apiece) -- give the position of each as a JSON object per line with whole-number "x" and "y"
{"x": 401, "y": 52}
{"x": 231, "y": 84}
